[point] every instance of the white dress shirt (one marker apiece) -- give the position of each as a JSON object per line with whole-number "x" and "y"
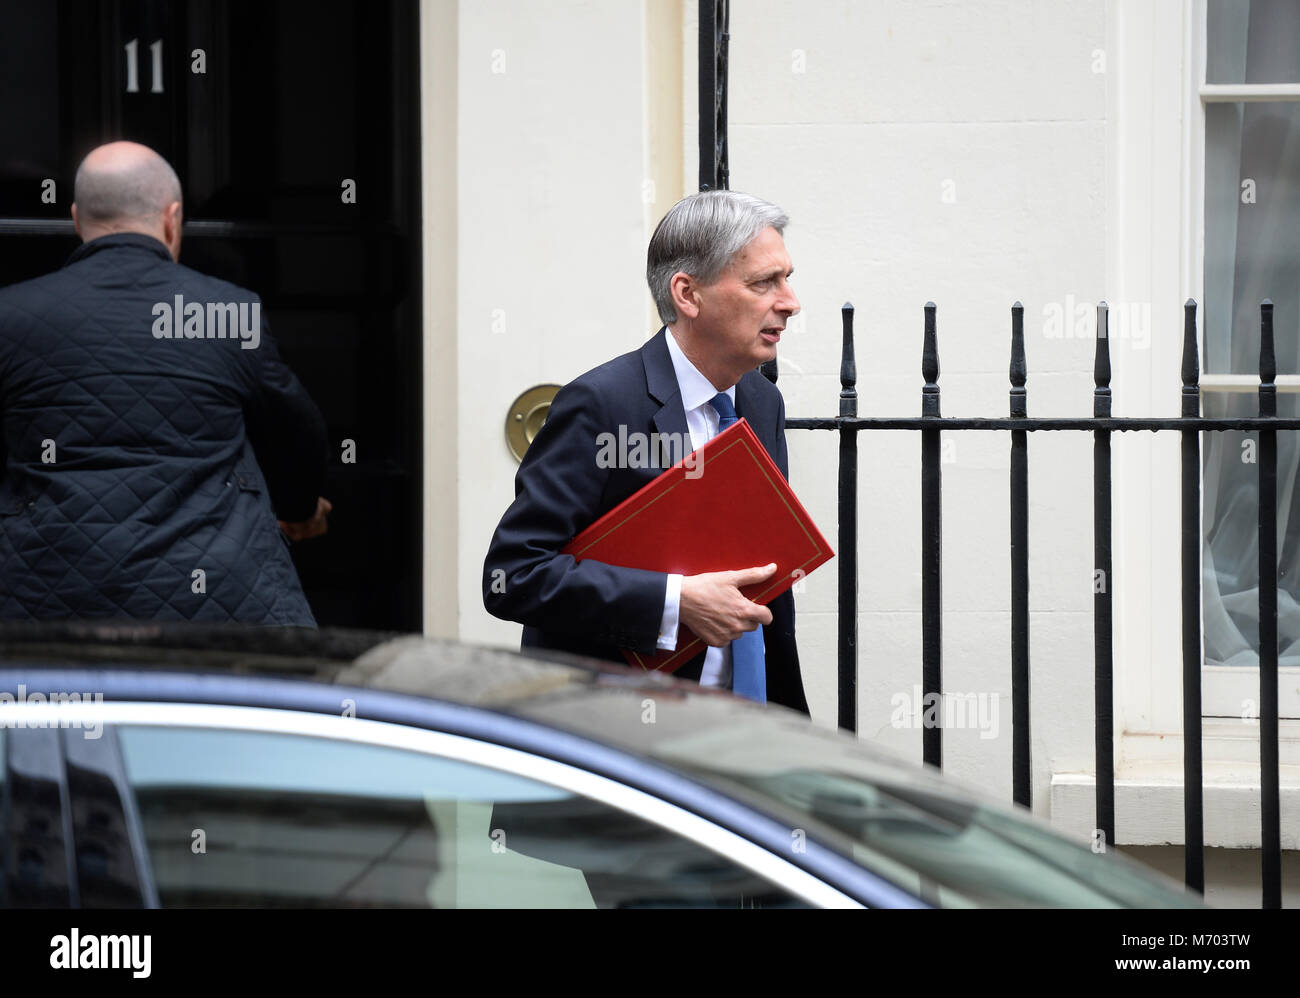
{"x": 702, "y": 422}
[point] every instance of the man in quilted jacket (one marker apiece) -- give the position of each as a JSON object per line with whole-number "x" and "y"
{"x": 156, "y": 455}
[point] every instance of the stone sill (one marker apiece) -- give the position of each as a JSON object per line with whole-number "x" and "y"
{"x": 1149, "y": 805}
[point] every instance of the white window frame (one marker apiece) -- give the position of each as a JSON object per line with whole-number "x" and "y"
{"x": 1155, "y": 226}
{"x": 1226, "y": 688}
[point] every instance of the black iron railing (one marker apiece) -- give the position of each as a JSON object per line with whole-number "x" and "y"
{"x": 712, "y": 62}
{"x": 1190, "y": 424}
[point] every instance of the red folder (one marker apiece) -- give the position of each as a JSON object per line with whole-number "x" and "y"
{"x": 725, "y": 506}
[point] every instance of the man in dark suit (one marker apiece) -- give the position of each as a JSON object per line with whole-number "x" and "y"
{"x": 133, "y": 392}
{"x": 718, "y": 270}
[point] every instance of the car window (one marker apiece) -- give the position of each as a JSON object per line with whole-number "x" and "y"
{"x": 917, "y": 829}
{"x": 4, "y": 825}
{"x": 33, "y": 845}
{"x": 954, "y": 853}
{"x": 106, "y": 839}
{"x": 241, "y": 818}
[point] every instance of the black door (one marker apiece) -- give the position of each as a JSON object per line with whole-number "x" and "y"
{"x": 294, "y": 127}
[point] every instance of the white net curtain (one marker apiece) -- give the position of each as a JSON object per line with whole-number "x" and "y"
{"x": 1252, "y": 252}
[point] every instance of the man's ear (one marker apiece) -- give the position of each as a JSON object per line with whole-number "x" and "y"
{"x": 75, "y": 224}
{"x": 172, "y": 220}
{"x": 684, "y": 290}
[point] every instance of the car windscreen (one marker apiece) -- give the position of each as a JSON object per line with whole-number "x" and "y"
{"x": 911, "y": 825}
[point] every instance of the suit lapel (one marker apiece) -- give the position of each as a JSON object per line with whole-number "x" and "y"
{"x": 670, "y": 417}
{"x": 662, "y": 387}
{"x": 749, "y": 405}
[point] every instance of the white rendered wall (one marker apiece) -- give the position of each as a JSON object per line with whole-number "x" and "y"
{"x": 552, "y": 232}
{"x": 954, "y": 153}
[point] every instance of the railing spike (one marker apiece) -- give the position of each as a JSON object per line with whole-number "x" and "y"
{"x": 930, "y": 364}
{"x": 848, "y": 365}
{"x": 1101, "y": 363}
{"x": 1268, "y": 360}
{"x": 1191, "y": 362}
{"x": 1019, "y": 397}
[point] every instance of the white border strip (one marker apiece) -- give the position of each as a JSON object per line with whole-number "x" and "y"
{"x": 725, "y": 843}
{"x": 1249, "y": 93}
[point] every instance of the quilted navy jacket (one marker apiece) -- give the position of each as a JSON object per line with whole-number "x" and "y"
{"x": 128, "y": 481}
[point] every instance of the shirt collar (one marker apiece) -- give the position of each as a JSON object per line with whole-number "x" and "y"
{"x": 696, "y": 389}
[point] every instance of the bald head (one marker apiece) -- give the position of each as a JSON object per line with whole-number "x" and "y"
{"x": 127, "y": 187}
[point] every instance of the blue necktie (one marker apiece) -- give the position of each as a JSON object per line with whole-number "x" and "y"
{"x": 748, "y": 669}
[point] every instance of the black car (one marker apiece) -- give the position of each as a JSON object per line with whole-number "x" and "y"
{"x": 151, "y": 765}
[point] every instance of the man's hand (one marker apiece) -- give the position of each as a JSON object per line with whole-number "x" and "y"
{"x": 713, "y": 607}
{"x": 301, "y": 530}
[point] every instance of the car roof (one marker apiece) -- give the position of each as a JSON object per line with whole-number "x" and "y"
{"x": 598, "y": 700}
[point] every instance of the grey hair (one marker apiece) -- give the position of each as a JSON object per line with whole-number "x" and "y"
{"x": 700, "y": 236}
{"x": 139, "y": 192}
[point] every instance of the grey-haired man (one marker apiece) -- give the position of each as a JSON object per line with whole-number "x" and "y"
{"x": 719, "y": 273}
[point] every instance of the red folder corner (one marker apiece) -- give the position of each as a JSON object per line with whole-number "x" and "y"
{"x": 726, "y": 506}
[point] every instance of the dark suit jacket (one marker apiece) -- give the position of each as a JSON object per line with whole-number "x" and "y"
{"x": 589, "y": 607}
